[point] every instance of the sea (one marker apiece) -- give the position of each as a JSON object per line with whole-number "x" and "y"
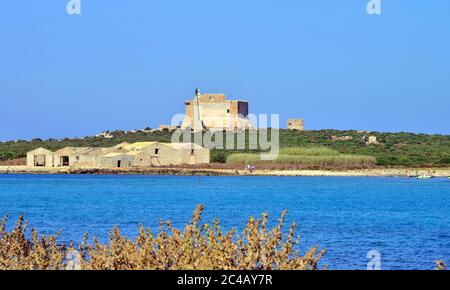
{"x": 404, "y": 221}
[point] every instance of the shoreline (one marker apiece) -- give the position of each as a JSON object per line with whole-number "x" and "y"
{"x": 371, "y": 172}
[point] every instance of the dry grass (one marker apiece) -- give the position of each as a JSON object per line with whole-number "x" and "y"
{"x": 197, "y": 246}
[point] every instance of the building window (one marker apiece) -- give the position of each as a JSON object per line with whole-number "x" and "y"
{"x": 156, "y": 151}
{"x": 39, "y": 160}
{"x": 228, "y": 110}
{"x": 78, "y": 157}
{"x": 192, "y": 151}
{"x": 65, "y": 160}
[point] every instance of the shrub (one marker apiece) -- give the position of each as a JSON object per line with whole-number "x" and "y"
{"x": 19, "y": 253}
{"x": 387, "y": 160}
{"x": 218, "y": 156}
{"x": 6, "y": 155}
{"x": 445, "y": 160}
{"x": 198, "y": 246}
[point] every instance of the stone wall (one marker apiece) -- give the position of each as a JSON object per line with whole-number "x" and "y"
{"x": 126, "y": 161}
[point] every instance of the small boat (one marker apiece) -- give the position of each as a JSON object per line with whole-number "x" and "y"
{"x": 424, "y": 177}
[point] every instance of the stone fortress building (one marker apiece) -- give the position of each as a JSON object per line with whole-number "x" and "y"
{"x": 124, "y": 155}
{"x": 215, "y": 112}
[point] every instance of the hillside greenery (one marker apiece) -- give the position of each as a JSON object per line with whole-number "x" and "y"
{"x": 393, "y": 149}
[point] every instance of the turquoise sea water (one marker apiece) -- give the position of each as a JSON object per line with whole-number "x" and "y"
{"x": 406, "y": 220}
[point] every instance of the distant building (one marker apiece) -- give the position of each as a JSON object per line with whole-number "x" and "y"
{"x": 372, "y": 140}
{"x": 79, "y": 156}
{"x": 106, "y": 135}
{"x": 168, "y": 127}
{"x": 214, "y": 111}
{"x": 147, "y": 154}
{"x": 124, "y": 155}
{"x": 296, "y": 124}
{"x": 40, "y": 157}
{"x": 341, "y": 138}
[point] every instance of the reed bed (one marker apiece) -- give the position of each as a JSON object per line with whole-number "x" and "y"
{"x": 309, "y": 151}
{"x": 197, "y": 246}
{"x": 303, "y": 161}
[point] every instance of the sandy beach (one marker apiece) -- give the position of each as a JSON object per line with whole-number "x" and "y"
{"x": 400, "y": 172}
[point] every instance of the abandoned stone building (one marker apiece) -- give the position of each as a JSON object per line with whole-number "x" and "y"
{"x": 147, "y": 154}
{"x": 124, "y": 155}
{"x": 79, "y": 156}
{"x": 40, "y": 157}
{"x": 215, "y": 112}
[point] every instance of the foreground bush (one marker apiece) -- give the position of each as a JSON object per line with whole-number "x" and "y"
{"x": 19, "y": 253}
{"x": 198, "y": 246}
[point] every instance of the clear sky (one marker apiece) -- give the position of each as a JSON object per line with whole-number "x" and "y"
{"x": 131, "y": 64}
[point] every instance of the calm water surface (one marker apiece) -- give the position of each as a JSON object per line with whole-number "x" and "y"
{"x": 406, "y": 220}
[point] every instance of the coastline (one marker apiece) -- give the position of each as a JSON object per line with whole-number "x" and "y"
{"x": 371, "y": 172}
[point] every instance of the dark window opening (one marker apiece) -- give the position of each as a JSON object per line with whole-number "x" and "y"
{"x": 192, "y": 151}
{"x": 65, "y": 160}
{"x": 78, "y": 157}
{"x": 39, "y": 160}
{"x": 156, "y": 151}
{"x": 119, "y": 163}
{"x": 228, "y": 110}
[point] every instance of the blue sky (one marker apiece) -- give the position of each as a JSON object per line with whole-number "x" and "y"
{"x": 131, "y": 64}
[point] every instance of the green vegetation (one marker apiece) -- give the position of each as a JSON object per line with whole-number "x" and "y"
{"x": 307, "y": 157}
{"x": 394, "y": 149}
{"x": 308, "y": 151}
{"x": 319, "y": 161}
